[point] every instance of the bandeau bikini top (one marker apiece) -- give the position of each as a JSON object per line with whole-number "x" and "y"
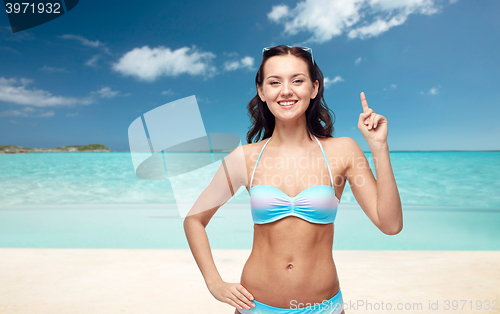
{"x": 317, "y": 204}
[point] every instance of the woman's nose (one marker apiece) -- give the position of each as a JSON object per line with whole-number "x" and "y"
{"x": 286, "y": 90}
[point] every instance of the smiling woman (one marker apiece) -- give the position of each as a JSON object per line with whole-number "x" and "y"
{"x": 317, "y": 113}
{"x": 291, "y": 267}
{"x": 281, "y": 85}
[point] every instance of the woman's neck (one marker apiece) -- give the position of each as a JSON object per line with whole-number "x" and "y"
{"x": 290, "y": 134}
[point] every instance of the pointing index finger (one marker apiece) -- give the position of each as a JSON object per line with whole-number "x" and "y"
{"x": 363, "y": 102}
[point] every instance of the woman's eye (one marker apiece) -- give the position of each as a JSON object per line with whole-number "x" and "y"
{"x": 295, "y": 81}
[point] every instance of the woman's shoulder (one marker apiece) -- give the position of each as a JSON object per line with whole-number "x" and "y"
{"x": 339, "y": 145}
{"x": 247, "y": 151}
{"x": 345, "y": 140}
{"x": 254, "y": 146}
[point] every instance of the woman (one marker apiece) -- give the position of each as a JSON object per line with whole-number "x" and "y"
{"x": 291, "y": 267}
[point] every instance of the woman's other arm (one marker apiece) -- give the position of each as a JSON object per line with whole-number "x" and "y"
{"x": 230, "y": 176}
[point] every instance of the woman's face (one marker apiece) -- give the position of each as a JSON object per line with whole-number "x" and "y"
{"x": 287, "y": 87}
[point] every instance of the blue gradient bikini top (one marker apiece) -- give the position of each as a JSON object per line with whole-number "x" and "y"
{"x": 317, "y": 204}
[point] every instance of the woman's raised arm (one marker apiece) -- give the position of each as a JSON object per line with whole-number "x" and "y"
{"x": 378, "y": 198}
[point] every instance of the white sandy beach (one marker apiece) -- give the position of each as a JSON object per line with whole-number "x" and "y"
{"x": 168, "y": 281}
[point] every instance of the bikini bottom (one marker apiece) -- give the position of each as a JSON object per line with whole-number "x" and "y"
{"x": 333, "y": 306}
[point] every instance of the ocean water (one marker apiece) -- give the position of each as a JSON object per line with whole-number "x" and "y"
{"x": 95, "y": 200}
{"x": 455, "y": 179}
{"x": 159, "y": 226}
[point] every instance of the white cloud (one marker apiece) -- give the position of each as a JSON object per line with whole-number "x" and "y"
{"x": 326, "y": 19}
{"x": 230, "y": 54}
{"x": 432, "y": 91}
{"x": 247, "y": 62}
{"x": 167, "y": 92}
{"x": 244, "y": 63}
{"x": 15, "y": 91}
{"x": 393, "y": 86}
{"x": 378, "y": 27}
{"x": 6, "y": 34}
{"x": 23, "y": 81}
{"x": 92, "y": 62}
{"x": 231, "y": 65}
{"x": 84, "y": 41}
{"x": 358, "y": 60}
{"x": 9, "y": 49}
{"x": 278, "y": 12}
{"x": 52, "y": 69}
{"x": 201, "y": 99}
{"x": 106, "y": 92}
{"x": 27, "y": 112}
{"x": 149, "y": 64}
{"x": 328, "y": 82}
{"x": 453, "y": 1}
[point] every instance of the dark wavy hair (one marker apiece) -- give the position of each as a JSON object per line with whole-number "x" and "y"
{"x": 318, "y": 115}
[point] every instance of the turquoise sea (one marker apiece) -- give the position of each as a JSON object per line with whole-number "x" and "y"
{"x": 451, "y": 201}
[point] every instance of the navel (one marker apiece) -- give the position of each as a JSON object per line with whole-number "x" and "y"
{"x": 290, "y": 266}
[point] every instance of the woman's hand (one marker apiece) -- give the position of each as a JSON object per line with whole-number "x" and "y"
{"x": 233, "y": 294}
{"x": 373, "y": 126}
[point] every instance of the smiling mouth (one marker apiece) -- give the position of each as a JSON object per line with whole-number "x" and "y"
{"x": 287, "y": 103}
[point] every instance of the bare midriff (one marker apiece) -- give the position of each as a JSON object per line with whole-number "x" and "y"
{"x": 291, "y": 259}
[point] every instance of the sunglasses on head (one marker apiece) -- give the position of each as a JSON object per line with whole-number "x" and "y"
{"x": 303, "y": 48}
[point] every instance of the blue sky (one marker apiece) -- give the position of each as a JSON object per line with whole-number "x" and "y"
{"x": 431, "y": 67}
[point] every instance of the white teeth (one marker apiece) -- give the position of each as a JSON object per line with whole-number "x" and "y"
{"x": 288, "y": 103}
